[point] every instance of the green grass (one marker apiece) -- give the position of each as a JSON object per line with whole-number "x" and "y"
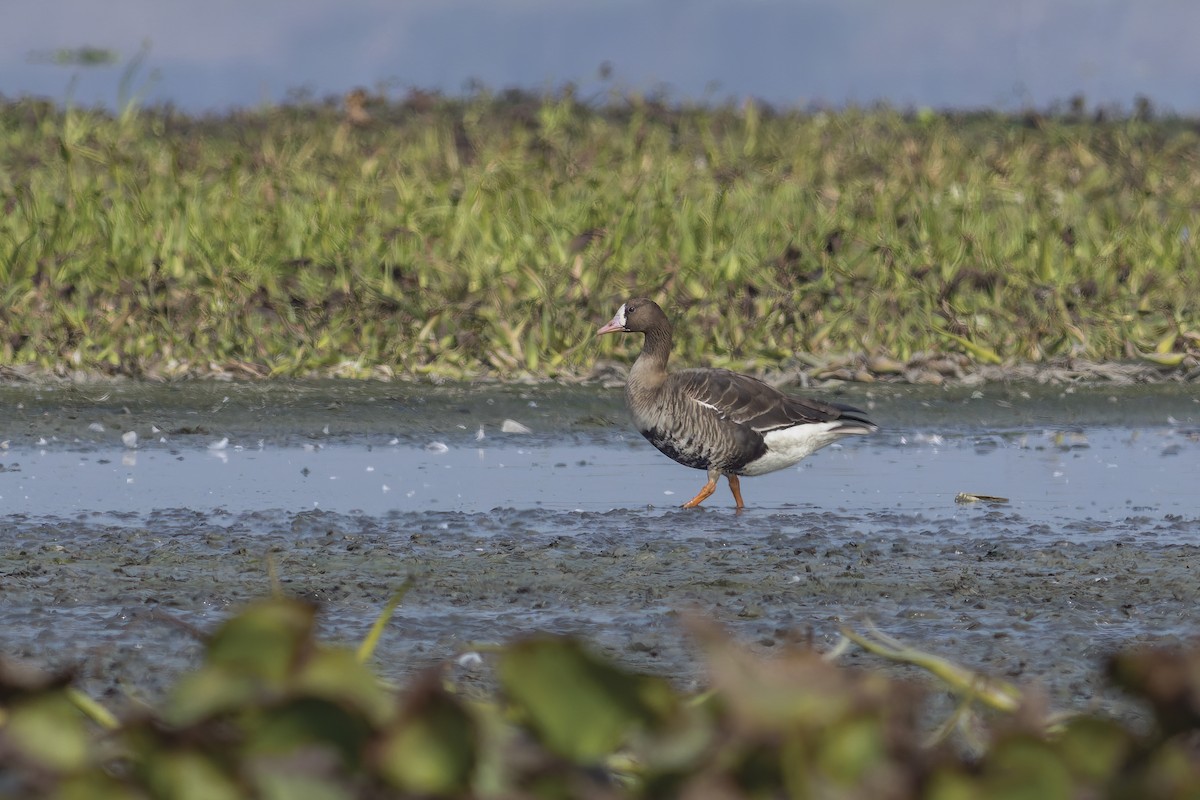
{"x": 493, "y": 234}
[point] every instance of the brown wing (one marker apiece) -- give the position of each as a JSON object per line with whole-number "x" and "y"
{"x": 759, "y": 406}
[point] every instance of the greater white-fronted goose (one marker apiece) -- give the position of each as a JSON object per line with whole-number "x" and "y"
{"x": 720, "y": 421}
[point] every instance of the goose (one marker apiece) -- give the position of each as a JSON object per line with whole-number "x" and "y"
{"x": 717, "y": 420}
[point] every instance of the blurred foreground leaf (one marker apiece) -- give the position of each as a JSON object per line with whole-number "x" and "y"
{"x": 263, "y": 641}
{"x": 189, "y": 775}
{"x": 579, "y": 705}
{"x": 48, "y": 730}
{"x": 298, "y": 719}
{"x": 991, "y": 691}
{"x": 1168, "y": 679}
{"x": 268, "y": 654}
{"x": 431, "y": 749}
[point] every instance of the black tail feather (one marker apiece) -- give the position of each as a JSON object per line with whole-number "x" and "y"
{"x": 850, "y": 416}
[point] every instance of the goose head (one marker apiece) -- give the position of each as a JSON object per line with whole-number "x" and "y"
{"x": 638, "y": 315}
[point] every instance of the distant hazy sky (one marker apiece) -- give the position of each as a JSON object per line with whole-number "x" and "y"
{"x": 943, "y": 53}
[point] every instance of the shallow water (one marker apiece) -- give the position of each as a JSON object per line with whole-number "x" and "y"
{"x": 1049, "y": 477}
{"x": 111, "y": 548}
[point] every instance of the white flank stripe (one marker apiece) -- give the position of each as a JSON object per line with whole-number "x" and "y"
{"x": 788, "y": 445}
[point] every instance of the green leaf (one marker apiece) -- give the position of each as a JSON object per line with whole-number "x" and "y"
{"x": 96, "y": 785}
{"x": 1164, "y": 359}
{"x": 264, "y": 640}
{"x": 372, "y": 639}
{"x": 188, "y": 775}
{"x": 336, "y": 674}
{"x": 307, "y": 722}
{"x": 852, "y": 747}
{"x": 281, "y": 785}
{"x": 581, "y": 707}
{"x": 94, "y": 710}
{"x": 252, "y": 655}
{"x": 206, "y": 693}
{"x": 951, "y": 783}
{"x": 982, "y": 353}
{"x": 1026, "y": 768}
{"x": 1094, "y": 748}
{"x": 433, "y": 749}
{"x": 48, "y": 729}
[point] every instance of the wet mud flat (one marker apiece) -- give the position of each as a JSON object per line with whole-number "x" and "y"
{"x": 125, "y": 600}
{"x": 116, "y": 567}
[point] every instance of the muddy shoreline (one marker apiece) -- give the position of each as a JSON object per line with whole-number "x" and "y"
{"x": 123, "y": 602}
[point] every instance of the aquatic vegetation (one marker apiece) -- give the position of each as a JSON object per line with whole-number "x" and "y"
{"x": 489, "y": 235}
{"x": 273, "y": 712}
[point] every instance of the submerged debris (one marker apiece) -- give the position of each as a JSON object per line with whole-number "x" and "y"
{"x": 970, "y": 497}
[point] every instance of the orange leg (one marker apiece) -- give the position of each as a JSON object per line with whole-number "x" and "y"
{"x": 708, "y": 489}
{"x": 735, "y": 486}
